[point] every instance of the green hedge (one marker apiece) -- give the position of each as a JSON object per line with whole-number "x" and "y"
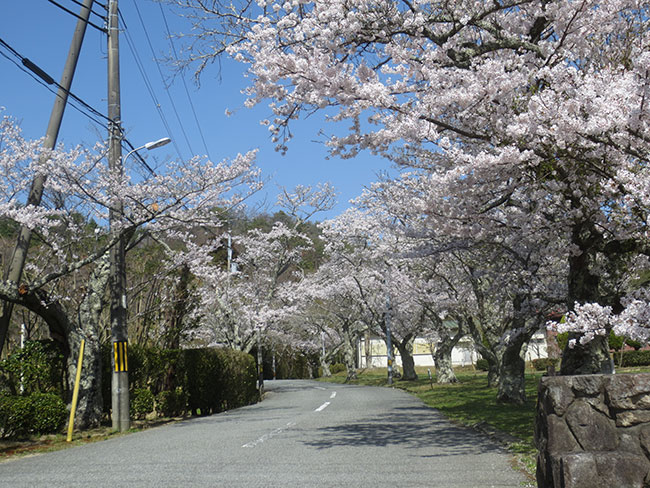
{"x": 190, "y": 380}
{"x": 635, "y": 358}
{"x": 542, "y": 364}
{"x": 142, "y": 401}
{"x": 38, "y": 413}
{"x": 338, "y": 368}
{"x": 482, "y": 364}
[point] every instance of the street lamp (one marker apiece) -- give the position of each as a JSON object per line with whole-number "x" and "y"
{"x": 119, "y": 333}
{"x": 148, "y": 146}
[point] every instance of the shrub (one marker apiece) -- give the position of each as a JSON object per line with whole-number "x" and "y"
{"x": 615, "y": 342}
{"x": 38, "y": 366}
{"x": 542, "y": 364}
{"x": 206, "y": 380}
{"x": 634, "y": 344}
{"x": 48, "y": 412}
{"x": 635, "y": 358}
{"x": 141, "y": 402}
{"x": 338, "y": 368}
{"x": 562, "y": 340}
{"x": 171, "y": 403}
{"x": 482, "y": 364}
{"x": 38, "y": 413}
{"x": 15, "y": 416}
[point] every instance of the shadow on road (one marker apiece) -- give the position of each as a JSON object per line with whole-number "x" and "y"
{"x": 407, "y": 428}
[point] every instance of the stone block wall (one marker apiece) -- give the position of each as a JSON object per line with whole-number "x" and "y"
{"x": 593, "y": 431}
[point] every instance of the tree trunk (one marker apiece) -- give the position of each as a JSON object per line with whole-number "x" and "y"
{"x": 512, "y": 381}
{"x": 486, "y": 352}
{"x": 325, "y": 367}
{"x": 590, "y": 358}
{"x": 90, "y": 405}
{"x": 593, "y": 357}
{"x": 349, "y": 352}
{"x": 177, "y": 311}
{"x": 442, "y": 354}
{"x": 90, "y": 402}
{"x": 442, "y": 360}
{"x": 405, "y": 349}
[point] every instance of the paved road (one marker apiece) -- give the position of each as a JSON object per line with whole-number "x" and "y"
{"x": 304, "y": 434}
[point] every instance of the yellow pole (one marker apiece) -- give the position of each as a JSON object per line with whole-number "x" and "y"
{"x": 75, "y": 395}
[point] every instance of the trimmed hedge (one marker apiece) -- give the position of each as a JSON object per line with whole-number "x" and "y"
{"x": 635, "y": 358}
{"x": 38, "y": 413}
{"x": 542, "y": 364}
{"x": 171, "y": 403}
{"x": 338, "y": 368}
{"x": 482, "y": 364}
{"x": 201, "y": 381}
{"x": 141, "y": 402}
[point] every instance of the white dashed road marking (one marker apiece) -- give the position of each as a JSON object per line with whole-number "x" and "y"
{"x": 322, "y": 407}
{"x": 266, "y": 437}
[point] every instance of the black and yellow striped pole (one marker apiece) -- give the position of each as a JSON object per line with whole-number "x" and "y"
{"x": 120, "y": 386}
{"x": 120, "y": 357}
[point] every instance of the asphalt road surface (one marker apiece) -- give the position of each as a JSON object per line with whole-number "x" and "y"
{"x": 303, "y": 434}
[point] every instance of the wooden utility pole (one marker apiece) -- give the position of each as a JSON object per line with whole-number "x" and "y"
{"x": 119, "y": 337}
{"x": 17, "y": 262}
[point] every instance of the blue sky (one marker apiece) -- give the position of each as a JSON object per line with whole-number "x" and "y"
{"x": 42, "y": 32}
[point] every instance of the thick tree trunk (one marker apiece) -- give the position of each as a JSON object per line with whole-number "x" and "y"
{"x": 592, "y": 357}
{"x": 90, "y": 405}
{"x": 442, "y": 360}
{"x": 405, "y": 349}
{"x": 442, "y": 353}
{"x": 325, "y": 367}
{"x": 349, "y": 352}
{"x": 512, "y": 382}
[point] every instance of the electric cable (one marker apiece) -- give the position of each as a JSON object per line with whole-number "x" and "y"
{"x": 44, "y": 79}
{"x": 102, "y": 29}
{"x": 149, "y": 87}
{"x": 187, "y": 92}
{"x": 171, "y": 100}
{"x": 102, "y": 5}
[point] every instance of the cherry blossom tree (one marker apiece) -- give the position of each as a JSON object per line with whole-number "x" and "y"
{"x": 497, "y": 283}
{"x": 258, "y": 294}
{"x": 72, "y": 240}
{"x": 544, "y": 99}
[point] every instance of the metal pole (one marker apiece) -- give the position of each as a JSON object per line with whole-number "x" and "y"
{"x": 75, "y": 393}
{"x": 17, "y": 262}
{"x": 119, "y": 336}
{"x": 260, "y": 365}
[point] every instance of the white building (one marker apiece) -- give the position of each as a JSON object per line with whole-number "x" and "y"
{"x": 373, "y": 354}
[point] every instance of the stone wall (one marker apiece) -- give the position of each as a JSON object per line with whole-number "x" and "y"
{"x": 593, "y": 431}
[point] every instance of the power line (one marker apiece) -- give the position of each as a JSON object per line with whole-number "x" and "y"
{"x": 187, "y": 92}
{"x": 42, "y": 77}
{"x": 102, "y": 29}
{"x": 149, "y": 87}
{"x": 102, "y": 5}
{"x": 171, "y": 100}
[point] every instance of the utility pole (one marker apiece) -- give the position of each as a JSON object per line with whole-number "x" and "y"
{"x": 260, "y": 368}
{"x": 17, "y": 263}
{"x": 117, "y": 282}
